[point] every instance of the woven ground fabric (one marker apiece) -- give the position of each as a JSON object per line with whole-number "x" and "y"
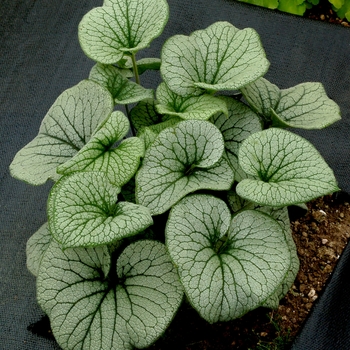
{"x": 41, "y": 57}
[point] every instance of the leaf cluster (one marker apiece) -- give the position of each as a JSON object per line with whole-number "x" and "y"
{"x": 184, "y": 194}
{"x": 298, "y": 7}
{"x": 342, "y": 8}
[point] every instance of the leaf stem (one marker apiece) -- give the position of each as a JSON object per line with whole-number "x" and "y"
{"x": 134, "y": 68}
{"x": 127, "y": 110}
{"x": 133, "y": 130}
{"x": 115, "y": 253}
{"x": 190, "y": 170}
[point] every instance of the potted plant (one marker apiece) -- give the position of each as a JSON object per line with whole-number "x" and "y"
{"x": 192, "y": 205}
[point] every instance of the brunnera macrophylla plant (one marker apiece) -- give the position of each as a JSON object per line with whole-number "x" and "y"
{"x": 220, "y": 172}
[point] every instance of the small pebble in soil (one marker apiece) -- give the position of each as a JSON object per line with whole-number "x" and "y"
{"x": 324, "y": 241}
{"x": 319, "y": 215}
{"x": 311, "y": 293}
{"x": 314, "y": 227}
{"x": 327, "y": 269}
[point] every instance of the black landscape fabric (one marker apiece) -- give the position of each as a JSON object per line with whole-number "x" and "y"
{"x": 40, "y": 57}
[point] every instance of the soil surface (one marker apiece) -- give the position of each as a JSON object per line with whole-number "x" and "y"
{"x": 324, "y": 12}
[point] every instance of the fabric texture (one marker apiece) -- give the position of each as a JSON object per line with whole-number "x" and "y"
{"x": 40, "y": 57}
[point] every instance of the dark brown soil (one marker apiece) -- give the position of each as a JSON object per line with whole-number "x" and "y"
{"x": 320, "y": 237}
{"x": 324, "y": 12}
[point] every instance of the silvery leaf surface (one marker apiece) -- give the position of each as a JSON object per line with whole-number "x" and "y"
{"x": 262, "y": 96}
{"x": 36, "y": 247}
{"x": 240, "y": 123}
{"x": 121, "y": 88}
{"x": 304, "y": 106}
{"x": 285, "y": 168}
{"x": 228, "y": 266}
{"x": 181, "y": 160}
{"x": 149, "y": 133}
{"x": 192, "y": 107}
{"x": 83, "y": 212}
{"x": 119, "y": 163}
{"x": 282, "y": 217}
{"x": 66, "y": 128}
{"x": 129, "y": 307}
{"x": 106, "y": 33}
{"x": 220, "y": 57}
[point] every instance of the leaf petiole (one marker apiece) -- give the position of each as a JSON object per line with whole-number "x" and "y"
{"x": 132, "y": 127}
{"x": 134, "y": 68}
{"x": 190, "y": 169}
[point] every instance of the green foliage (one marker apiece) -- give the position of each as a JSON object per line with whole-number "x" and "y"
{"x": 342, "y": 8}
{"x": 298, "y": 7}
{"x": 282, "y": 341}
{"x": 220, "y": 171}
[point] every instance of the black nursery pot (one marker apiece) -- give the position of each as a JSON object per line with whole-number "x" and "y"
{"x": 41, "y": 57}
